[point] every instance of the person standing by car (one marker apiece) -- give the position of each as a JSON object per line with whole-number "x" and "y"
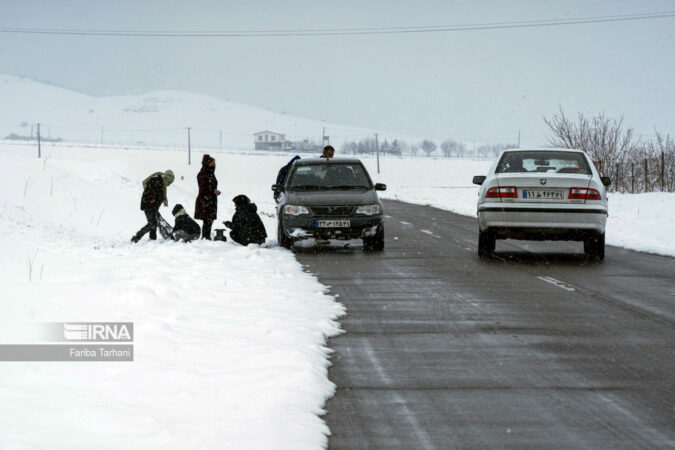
{"x": 246, "y": 226}
{"x": 154, "y": 194}
{"x": 283, "y": 172}
{"x": 328, "y": 152}
{"x": 206, "y": 205}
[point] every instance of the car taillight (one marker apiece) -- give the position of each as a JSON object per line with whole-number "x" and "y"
{"x": 578, "y": 193}
{"x": 502, "y": 192}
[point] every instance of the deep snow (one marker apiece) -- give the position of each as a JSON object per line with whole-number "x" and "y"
{"x": 229, "y": 340}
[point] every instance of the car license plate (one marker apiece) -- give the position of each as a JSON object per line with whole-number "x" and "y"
{"x": 332, "y": 224}
{"x": 539, "y": 194}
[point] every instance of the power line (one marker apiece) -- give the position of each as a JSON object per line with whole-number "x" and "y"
{"x": 347, "y": 31}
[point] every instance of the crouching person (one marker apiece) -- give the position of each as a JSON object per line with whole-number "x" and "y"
{"x": 185, "y": 229}
{"x": 246, "y": 226}
{"x": 154, "y": 194}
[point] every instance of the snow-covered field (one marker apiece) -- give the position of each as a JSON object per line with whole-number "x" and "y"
{"x": 229, "y": 340}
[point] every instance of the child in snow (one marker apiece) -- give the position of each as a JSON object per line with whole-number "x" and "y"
{"x": 154, "y": 194}
{"x": 246, "y": 225}
{"x": 185, "y": 229}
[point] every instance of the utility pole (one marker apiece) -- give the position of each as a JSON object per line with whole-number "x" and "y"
{"x": 377, "y": 152}
{"x": 189, "y": 150}
{"x": 663, "y": 170}
{"x": 518, "y": 138}
{"x": 38, "y": 136}
{"x": 101, "y": 135}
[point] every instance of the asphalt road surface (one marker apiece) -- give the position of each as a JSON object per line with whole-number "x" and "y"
{"x": 534, "y": 348}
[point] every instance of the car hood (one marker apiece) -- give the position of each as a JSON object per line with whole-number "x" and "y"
{"x": 333, "y": 198}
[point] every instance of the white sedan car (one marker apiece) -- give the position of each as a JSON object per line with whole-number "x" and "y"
{"x": 543, "y": 194}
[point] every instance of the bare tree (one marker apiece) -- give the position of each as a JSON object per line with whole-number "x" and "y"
{"x": 428, "y": 147}
{"x": 634, "y": 165}
{"x": 606, "y": 140}
{"x": 450, "y": 146}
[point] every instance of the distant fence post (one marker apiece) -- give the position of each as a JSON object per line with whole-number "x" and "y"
{"x": 38, "y": 137}
{"x": 377, "y": 152}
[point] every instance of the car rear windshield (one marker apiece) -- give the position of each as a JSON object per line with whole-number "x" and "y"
{"x": 544, "y": 161}
{"x": 329, "y": 176}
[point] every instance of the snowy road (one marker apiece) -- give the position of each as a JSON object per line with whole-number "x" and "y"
{"x": 530, "y": 349}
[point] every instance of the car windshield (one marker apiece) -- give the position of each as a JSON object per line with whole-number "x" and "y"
{"x": 329, "y": 176}
{"x": 543, "y": 161}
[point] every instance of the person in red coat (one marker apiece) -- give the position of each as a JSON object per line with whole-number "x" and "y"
{"x": 206, "y": 206}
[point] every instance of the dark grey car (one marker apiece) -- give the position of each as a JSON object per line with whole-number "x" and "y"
{"x": 329, "y": 199}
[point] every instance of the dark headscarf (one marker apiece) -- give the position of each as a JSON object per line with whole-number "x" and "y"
{"x": 241, "y": 201}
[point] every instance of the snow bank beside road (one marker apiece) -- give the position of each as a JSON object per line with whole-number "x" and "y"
{"x": 229, "y": 340}
{"x": 642, "y": 222}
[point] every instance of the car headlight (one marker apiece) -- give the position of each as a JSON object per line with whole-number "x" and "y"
{"x": 368, "y": 210}
{"x": 295, "y": 210}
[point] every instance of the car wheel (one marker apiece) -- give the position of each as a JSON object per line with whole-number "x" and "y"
{"x": 284, "y": 241}
{"x": 594, "y": 247}
{"x": 486, "y": 244}
{"x": 375, "y": 243}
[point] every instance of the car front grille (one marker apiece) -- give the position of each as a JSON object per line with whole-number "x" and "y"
{"x": 333, "y": 211}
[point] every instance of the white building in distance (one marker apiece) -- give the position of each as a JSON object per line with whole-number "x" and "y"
{"x": 269, "y": 140}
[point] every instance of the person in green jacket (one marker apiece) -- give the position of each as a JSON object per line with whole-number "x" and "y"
{"x": 154, "y": 194}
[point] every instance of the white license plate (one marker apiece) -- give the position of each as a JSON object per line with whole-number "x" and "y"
{"x": 540, "y": 194}
{"x": 332, "y": 224}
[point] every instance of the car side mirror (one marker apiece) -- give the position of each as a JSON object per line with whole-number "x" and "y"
{"x": 380, "y": 187}
{"x": 606, "y": 181}
{"x": 479, "y": 179}
{"x": 277, "y": 187}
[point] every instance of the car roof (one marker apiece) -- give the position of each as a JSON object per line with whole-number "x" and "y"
{"x": 306, "y": 161}
{"x": 545, "y": 149}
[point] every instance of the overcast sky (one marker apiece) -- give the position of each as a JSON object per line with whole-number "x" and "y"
{"x": 471, "y": 85}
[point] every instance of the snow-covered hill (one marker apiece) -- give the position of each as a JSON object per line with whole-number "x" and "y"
{"x": 156, "y": 118}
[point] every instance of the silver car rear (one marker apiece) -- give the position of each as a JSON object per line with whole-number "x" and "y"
{"x": 543, "y": 194}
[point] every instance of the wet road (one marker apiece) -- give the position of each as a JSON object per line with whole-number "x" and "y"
{"x": 536, "y": 347}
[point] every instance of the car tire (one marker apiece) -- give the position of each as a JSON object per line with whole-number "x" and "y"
{"x": 594, "y": 247}
{"x": 283, "y": 240}
{"x": 486, "y": 244}
{"x": 375, "y": 243}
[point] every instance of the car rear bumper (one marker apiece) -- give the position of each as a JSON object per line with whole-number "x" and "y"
{"x": 305, "y": 228}
{"x": 560, "y": 222}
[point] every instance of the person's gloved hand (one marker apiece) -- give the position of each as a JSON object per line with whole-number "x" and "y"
{"x": 228, "y": 224}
